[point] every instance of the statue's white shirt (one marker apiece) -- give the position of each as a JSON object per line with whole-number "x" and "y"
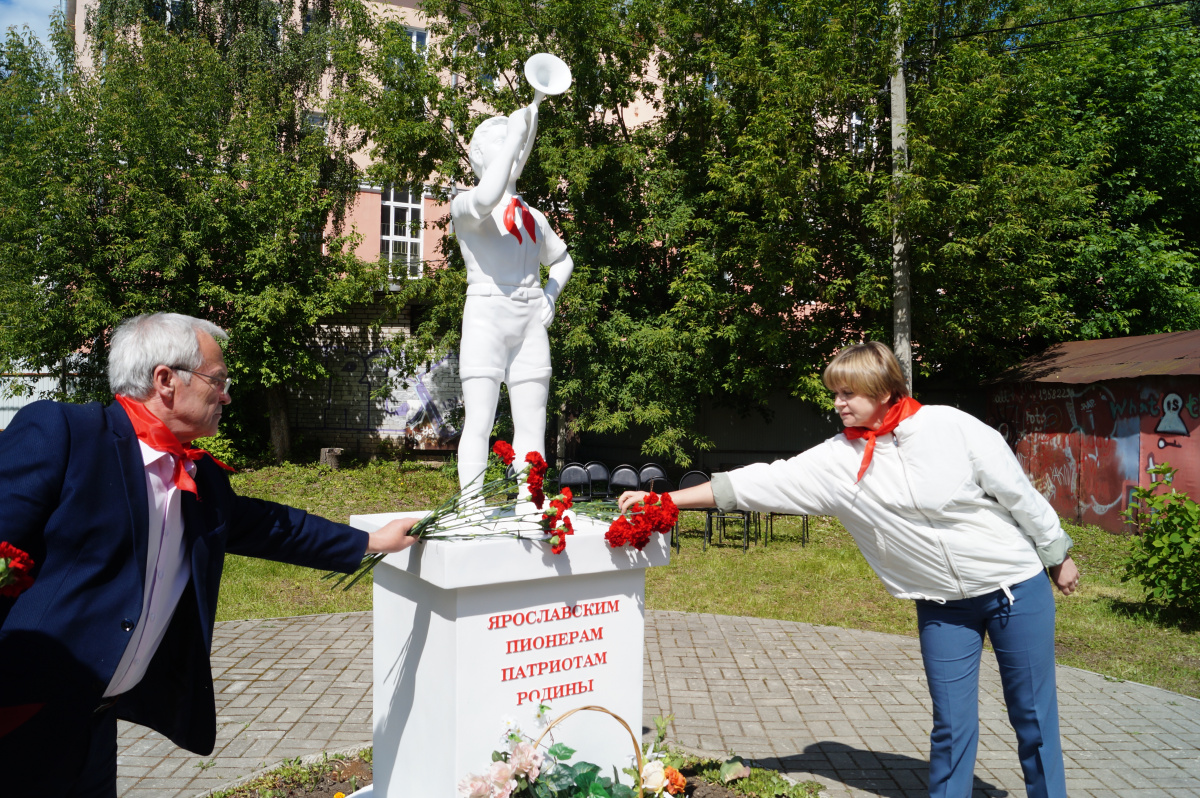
{"x": 493, "y": 255}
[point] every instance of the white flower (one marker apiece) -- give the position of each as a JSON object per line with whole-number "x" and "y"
{"x": 512, "y": 732}
{"x": 654, "y": 777}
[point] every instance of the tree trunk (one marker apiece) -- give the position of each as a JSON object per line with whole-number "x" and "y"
{"x": 281, "y": 439}
{"x": 560, "y": 439}
{"x": 901, "y": 293}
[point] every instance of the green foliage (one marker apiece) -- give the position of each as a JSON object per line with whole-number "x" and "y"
{"x": 1051, "y": 178}
{"x": 222, "y": 448}
{"x": 180, "y": 168}
{"x": 1164, "y": 557}
{"x": 756, "y": 783}
{"x": 561, "y": 751}
{"x": 721, "y": 172}
{"x": 291, "y": 776}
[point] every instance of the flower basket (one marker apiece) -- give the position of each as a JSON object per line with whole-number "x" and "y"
{"x": 523, "y": 772}
{"x": 637, "y": 749}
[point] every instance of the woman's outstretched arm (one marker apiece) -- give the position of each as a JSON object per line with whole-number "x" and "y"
{"x": 693, "y": 498}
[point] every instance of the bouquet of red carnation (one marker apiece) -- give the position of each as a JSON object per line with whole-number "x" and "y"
{"x": 655, "y": 513}
{"x": 556, "y": 522}
{"x": 489, "y": 508}
{"x": 537, "y": 478}
{"x": 16, "y": 570}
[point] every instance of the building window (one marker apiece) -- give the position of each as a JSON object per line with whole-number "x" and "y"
{"x": 400, "y": 225}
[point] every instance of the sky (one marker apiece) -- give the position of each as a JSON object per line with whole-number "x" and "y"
{"x": 34, "y": 13}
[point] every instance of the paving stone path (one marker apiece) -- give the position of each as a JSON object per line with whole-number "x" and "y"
{"x": 842, "y": 707}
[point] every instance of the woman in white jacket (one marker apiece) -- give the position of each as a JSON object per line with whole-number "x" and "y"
{"x": 943, "y": 512}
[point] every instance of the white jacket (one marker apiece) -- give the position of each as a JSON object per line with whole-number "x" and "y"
{"x": 943, "y": 512}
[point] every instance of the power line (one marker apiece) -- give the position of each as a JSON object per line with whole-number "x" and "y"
{"x": 548, "y": 33}
{"x": 1064, "y": 19}
{"x": 1037, "y": 46}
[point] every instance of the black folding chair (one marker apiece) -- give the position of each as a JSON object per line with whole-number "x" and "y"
{"x": 689, "y": 480}
{"x": 575, "y": 477}
{"x": 512, "y": 490}
{"x": 747, "y": 518}
{"x": 653, "y": 477}
{"x": 623, "y": 478}
{"x": 719, "y": 518}
{"x": 599, "y": 473}
{"x": 769, "y": 528}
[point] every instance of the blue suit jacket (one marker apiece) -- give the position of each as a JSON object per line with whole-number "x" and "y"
{"x": 73, "y": 495}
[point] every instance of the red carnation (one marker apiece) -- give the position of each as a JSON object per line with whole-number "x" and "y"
{"x": 618, "y": 533}
{"x": 558, "y": 543}
{"x": 568, "y": 527}
{"x": 537, "y": 475}
{"x": 671, "y": 511}
{"x": 640, "y": 531}
{"x": 16, "y": 569}
{"x": 504, "y": 451}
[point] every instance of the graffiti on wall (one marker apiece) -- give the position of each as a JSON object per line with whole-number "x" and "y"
{"x": 361, "y": 395}
{"x": 1086, "y": 447}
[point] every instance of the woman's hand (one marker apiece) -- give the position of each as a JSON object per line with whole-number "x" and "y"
{"x": 628, "y": 498}
{"x": 1065, "y": 576}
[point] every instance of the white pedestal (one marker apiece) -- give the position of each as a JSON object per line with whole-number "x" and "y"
{"x": 469, "y": 633}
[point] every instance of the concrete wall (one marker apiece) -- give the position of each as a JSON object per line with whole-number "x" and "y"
{"x": 355, "y": 409}
{"x": 790, "y": 427}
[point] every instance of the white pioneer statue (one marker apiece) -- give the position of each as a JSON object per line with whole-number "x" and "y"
{"x": 504, "y": 243}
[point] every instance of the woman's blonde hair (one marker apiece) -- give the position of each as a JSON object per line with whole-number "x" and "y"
{"x": 868, "y": 369}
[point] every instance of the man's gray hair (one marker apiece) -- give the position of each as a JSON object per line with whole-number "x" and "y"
{"x": 155, "y": 339}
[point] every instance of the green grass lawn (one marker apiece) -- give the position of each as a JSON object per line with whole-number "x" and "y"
{"x": 1104, "y": 627}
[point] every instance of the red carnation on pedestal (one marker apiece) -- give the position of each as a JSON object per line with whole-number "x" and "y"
{"x": 654, "y": 513}
{"x": 537, "y": 475}
{"x": 16, "y": 568}
{"x": 619, "y": 532}
{"x": 556, "y": 523}
{"x": 642, "y": 531}
{"x": 504, "y": 451}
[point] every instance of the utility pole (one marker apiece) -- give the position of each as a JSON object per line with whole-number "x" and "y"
{"x": 901, "y": 293}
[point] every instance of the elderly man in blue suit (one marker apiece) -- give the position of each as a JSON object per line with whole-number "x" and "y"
{"x": 128, "y": 527}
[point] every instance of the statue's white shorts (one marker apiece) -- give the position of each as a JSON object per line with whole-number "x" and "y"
{"x": 503, "y": 339}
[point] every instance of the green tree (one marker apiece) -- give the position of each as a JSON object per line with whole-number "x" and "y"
{"x": 1051, "y": 196}
{"x": 729, "y": 244}
{"x": 184, "y": 166}
{"x": 702, "y": 230}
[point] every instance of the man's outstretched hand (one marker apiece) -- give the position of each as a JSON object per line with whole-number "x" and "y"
{"x": 392, "y": 536}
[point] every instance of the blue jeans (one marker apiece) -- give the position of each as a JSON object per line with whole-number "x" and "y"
{"x": 1022, "y": 635}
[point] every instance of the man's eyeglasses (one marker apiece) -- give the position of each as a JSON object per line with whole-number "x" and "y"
{"x": 216, "y": 382}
